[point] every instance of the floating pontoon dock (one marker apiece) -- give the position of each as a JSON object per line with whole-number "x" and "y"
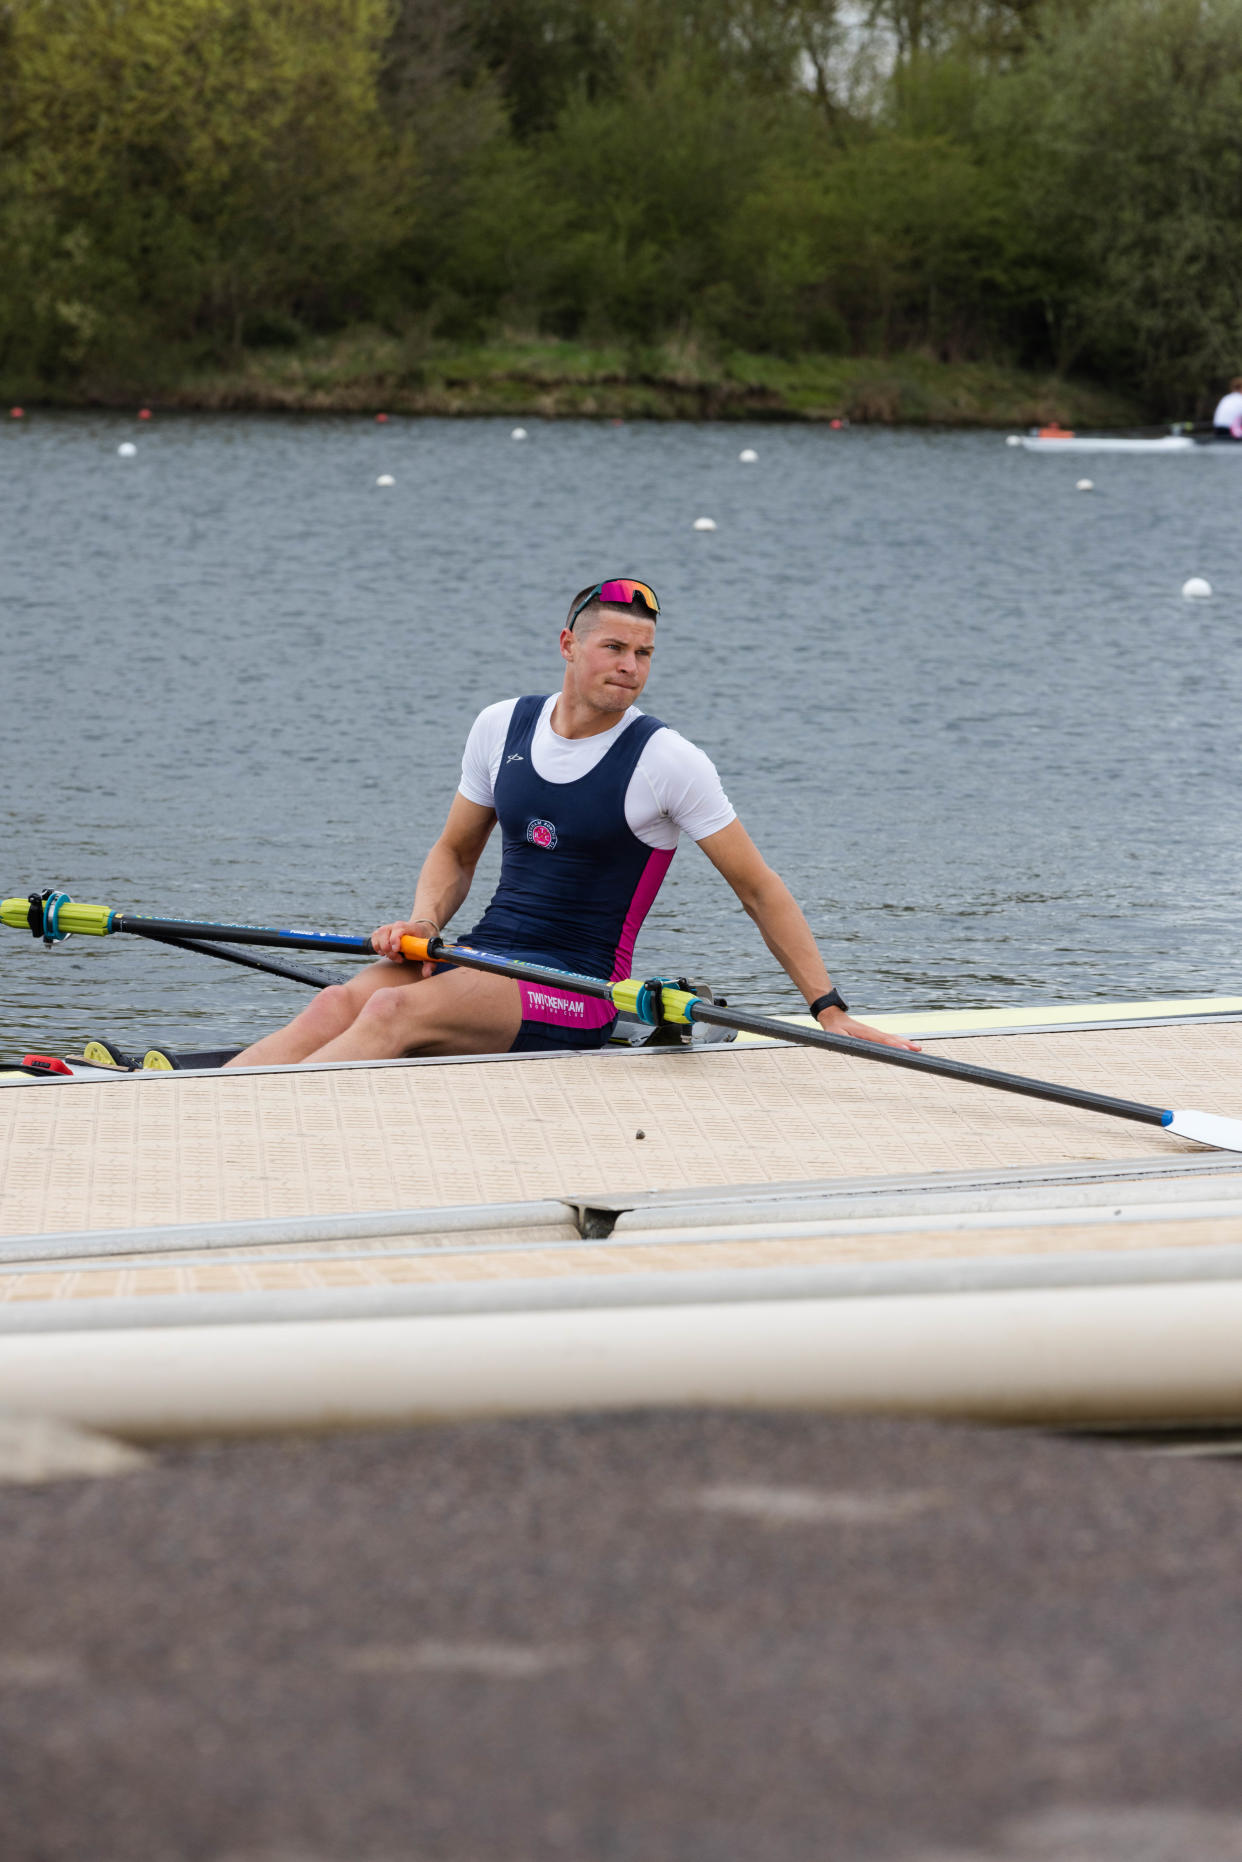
{"x": 752, "y": 1224}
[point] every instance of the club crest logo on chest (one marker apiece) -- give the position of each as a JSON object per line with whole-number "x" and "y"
{"x": 541, "y": 834}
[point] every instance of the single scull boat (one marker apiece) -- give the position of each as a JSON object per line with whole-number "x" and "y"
{"x": 655, "y": 1001}
{"x": 1112, "y": 443}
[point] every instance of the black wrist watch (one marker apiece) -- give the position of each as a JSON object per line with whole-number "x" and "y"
{"x": 833, "y": 1000}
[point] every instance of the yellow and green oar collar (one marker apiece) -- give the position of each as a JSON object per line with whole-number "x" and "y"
{"x": 656, "y": 1000}
{"x": 54, "y": 915}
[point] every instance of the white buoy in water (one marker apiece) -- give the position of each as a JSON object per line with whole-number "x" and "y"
{"x": 127, "y": 449}
{"x": 748, "y": 455}
{"x": 1014, "y": 439}
{"x": 1085, "y": 484}
{"x": 1196, "y": 589}
{"x": 385, "y": 478}
{"x": 519, "y": 433}
{"x": 705, "y": 523}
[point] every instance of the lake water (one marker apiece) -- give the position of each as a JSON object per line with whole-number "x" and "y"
{"x": 961, "y": 706}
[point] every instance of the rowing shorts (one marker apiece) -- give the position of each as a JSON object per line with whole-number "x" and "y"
{"x": 559, "y": 1018}
{"x": 556, "y": 1018}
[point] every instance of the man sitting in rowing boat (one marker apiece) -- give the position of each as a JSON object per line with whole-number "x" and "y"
{"x": 592, "y": 797}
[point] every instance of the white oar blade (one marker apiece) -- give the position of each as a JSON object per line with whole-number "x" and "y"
{"x": 1223, "y": 1134}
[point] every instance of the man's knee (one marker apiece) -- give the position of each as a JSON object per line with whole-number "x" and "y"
{"x": 386, "y": 1008}
{"x": 334, "y": 1007}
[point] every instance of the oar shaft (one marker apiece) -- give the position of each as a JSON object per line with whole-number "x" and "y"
{"x": 435, "y": 950}
{"x": 928, "y": 1063}
{"x": 682, "y": 1006}
{"x": 158, "y": 928}
{"x": 270, "y": 966}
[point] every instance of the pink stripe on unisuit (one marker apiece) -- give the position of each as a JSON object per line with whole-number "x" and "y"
{"x": 562, "y": 1009}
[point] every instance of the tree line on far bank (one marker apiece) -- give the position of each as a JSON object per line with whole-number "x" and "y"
{"x": 1056, "y": 183}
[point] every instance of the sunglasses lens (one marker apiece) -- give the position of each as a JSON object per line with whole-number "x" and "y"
{"x": 627, "y": 591}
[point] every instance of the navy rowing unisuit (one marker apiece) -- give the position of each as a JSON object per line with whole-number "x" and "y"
{"x": 575, "y": 880}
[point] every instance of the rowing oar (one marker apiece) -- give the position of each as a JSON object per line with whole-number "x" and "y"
{"x": 55, "y": 916}
{"x": 659, "y": 1000}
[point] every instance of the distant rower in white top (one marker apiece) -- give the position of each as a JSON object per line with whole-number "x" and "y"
{"x": 592, "y": 797}
{"x": 1227, "y": 420}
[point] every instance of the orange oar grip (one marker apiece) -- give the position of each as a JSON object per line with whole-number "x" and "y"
{"x": 416, "y": 947}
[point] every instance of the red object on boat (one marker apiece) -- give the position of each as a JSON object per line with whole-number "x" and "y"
{"x": 46, "y": 1063}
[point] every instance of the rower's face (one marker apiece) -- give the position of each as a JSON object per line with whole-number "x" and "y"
{"x": 609, "y": 665}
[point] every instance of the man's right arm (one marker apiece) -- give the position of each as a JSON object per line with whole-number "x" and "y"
{"x": 445, "y": 877}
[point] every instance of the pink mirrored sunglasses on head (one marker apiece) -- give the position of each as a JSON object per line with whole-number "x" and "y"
{"x": 620, "y": 590}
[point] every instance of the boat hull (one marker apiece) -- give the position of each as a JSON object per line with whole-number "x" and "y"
{"x": 1169, "y": 443}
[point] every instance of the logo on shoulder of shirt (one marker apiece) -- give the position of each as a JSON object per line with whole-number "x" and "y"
{"x": 541, "y": 834}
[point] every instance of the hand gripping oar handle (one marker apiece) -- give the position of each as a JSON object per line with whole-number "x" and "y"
{"x": 657, "y": 1000}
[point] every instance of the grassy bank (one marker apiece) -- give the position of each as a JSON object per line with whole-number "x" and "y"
{"x": 368, "y": 371}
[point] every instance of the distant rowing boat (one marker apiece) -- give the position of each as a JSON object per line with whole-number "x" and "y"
{"x": 1109, "y": 443}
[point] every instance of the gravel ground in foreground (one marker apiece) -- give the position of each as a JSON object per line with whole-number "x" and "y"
{"x": 656, "y": 1638}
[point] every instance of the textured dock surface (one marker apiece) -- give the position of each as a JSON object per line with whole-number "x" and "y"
{"x": 171, "y": 1149}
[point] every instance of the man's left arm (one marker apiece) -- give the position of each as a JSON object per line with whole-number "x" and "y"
{"x": 783, "y": 927}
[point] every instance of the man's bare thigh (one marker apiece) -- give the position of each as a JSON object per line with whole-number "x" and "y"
{"x": 454, "y": 1012}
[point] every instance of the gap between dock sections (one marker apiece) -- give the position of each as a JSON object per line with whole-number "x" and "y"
{"x": 936, "y": 1198}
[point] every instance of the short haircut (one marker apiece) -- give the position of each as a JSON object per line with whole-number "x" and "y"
{"x": 596, "y": 610}
{"x": 1235, "y": 386}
